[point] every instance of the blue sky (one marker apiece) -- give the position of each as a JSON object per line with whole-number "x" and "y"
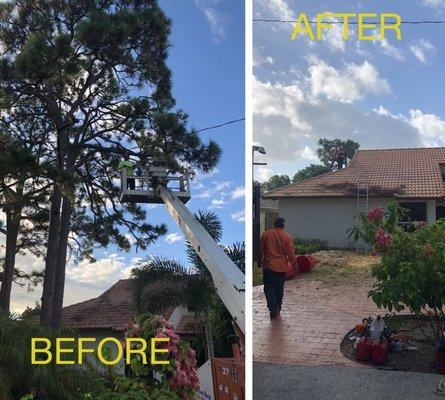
{"x": 381, "y": 94}
{"x": 207, "y": 63}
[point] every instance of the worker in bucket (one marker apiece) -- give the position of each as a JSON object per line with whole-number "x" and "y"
{"x": 276, "y": 252}
{"x": 128, "y": 165}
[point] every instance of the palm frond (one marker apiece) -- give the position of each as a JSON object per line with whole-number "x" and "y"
{"x": 212, "y": 224}
{"x": 237, "y": 253}
{"x": 163, "y": 296}
{"x": 199, "y": 293}
{"x": 155, "y": 270}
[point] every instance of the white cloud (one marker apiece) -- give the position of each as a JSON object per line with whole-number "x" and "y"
{"x": 217, "y": 203}
{"x": 213, "y": 188}
{"x": 390, "y": 50}
{"x": 277, "y": 100}
{"x": 333, "y": 37}
{"x": 260, "y": 59}
{"x": 431, "y": 128}
{"x": 238, "y": 193}
{"x": 264, "y": 174}
{"x": 276, "y": 8}
{"x": 101, "y": 272}
{"x": 173, "y": 238}
{"x": 290, "y": 119}
{"x": 216, "y": 20}
{"x": 422, "y": 49}
{"x": 238, "y": 216}
{"x": 309, "y": 154}
{"x": 434, "y": 3}
{"x": 350, "y": 84}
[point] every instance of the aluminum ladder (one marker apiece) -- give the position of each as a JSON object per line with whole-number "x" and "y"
{"x": 362, "y": 207}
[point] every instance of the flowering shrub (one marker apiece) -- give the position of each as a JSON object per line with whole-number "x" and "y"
{"x": 382, "y": 239}
{"x": 375, "y": 215}
{"x": 377, "y": 226}
{"x": 411, "y": 274}
{"x": 177, "y": 380}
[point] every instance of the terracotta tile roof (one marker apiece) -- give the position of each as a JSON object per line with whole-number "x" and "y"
{"x": 401, "y": 173}
{"x": 113, "y": 309}
{"x": 188, "y": 325}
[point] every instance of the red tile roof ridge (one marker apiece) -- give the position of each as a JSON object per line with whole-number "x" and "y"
{"x": 408, "y": 173}
{"x": 304, "y": 180}
{"x": 404, "y": 148}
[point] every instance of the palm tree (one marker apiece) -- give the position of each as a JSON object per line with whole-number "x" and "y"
{"x": 192, "y": 286}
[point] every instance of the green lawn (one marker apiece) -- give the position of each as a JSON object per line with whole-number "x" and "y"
{"x": 257, "y": 276}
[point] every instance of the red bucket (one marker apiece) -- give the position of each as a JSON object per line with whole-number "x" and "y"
{"x": 364, "y": 348}
{"x": 291, "y": 271}
{"x": 305, "y": 263}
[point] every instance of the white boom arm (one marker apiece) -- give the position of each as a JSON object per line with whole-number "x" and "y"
{"x": 228, "y": 279}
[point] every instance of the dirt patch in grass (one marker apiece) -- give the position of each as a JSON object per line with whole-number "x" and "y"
{"x": 334, "y": 267}
{"x": 339, "y": 267}
{"x": 420, "y": 360}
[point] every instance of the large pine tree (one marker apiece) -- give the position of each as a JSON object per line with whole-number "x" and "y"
{"x": 95, "y": 71}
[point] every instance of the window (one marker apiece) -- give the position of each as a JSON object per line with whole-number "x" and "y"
{"x": 417, "y": 212}
{"x": 440, "y": 212}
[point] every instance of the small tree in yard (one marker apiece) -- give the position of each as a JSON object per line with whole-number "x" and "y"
{"x": 411, "y": 274}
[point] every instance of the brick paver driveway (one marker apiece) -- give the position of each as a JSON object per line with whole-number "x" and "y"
{"x": 313, "y": 322}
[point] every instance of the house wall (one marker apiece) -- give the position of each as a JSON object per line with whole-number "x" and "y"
{"x": 329, "y": 219}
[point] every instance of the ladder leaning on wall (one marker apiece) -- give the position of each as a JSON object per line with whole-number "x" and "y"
{"x": 362, "y": 206}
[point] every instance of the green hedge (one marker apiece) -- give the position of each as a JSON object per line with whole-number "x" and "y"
{"x": 309, "y": 246}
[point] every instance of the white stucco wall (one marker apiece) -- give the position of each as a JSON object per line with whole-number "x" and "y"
{"x": 329, "y": 219}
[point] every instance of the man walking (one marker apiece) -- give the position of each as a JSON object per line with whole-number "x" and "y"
{"x": 276, "y": 251}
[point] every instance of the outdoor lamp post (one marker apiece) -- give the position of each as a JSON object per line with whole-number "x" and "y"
{"x": 256, "y": 205}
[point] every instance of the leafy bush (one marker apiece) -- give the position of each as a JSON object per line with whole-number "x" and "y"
{"x": 20, "y": 379}
{"x": 411, "y": 274}
{"x": 176, "y": 380}
{"x": 309, "y": 246}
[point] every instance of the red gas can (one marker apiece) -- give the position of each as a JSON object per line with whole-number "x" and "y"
{"x": 292, "y": 272}
{"x": 305, "y": 263}
{"x": 363, "y": 350}
{"x": 440, "y": 362}
{"x": 380, "y": 351}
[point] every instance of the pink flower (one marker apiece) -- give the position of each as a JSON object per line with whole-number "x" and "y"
{"x": 383, "y": 239}
{"x": 375, "y": 214}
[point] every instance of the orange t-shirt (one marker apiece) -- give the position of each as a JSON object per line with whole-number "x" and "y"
{"x": 276, "y": 250}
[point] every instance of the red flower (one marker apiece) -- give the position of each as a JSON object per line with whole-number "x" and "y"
{"x": 383, "y": 238}
{"x": 375, "y": 214}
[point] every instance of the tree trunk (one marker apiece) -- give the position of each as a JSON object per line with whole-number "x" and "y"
{"x": 65, "y": 226}
{"x": 12, "y": 232}
{"x": 51, "y": 259}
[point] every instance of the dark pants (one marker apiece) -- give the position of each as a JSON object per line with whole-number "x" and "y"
{"x": 274, "y": 289}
